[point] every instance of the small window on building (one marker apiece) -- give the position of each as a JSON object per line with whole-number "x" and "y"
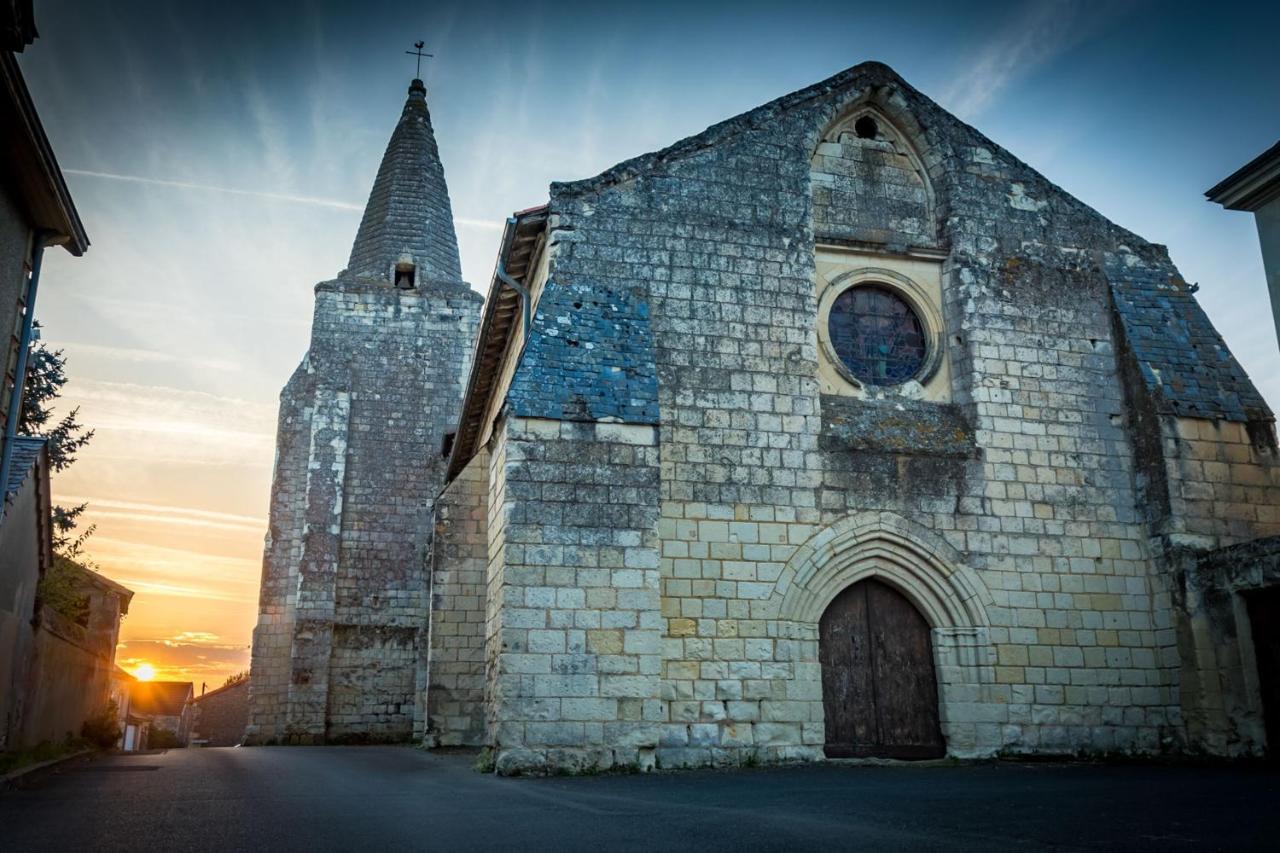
{"x": 446, "y": 444}
{"x": 405, "y": 275}
{"x": 877, "y": 335}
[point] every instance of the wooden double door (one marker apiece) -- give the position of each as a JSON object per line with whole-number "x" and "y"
{"x": 879, "y": 690}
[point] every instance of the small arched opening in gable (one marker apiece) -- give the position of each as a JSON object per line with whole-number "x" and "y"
{"x": 870, "y": 185}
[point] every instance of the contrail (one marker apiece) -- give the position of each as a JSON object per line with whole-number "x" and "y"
{"x": 184, "y": 185}
{"x": 295, "y": 199}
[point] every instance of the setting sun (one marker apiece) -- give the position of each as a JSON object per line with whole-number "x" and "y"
{"x": 144, "y": 672}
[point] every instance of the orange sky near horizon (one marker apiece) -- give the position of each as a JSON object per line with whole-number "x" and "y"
{"x": 160, "y": 458}
{"x": 193, "y": 572}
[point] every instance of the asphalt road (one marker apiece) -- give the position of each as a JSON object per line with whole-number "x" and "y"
{"x": 389, "y": 799}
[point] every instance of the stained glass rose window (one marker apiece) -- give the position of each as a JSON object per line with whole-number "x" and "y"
{"x": 877, "y": 335}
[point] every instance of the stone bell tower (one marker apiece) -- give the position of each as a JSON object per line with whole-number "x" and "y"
{"x": 339, "y": 652}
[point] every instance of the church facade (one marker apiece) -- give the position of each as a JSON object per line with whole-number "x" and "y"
{"x": 834, "y": 430}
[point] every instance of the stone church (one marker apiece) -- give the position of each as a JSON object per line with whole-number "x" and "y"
{"x": 834, "y": 430}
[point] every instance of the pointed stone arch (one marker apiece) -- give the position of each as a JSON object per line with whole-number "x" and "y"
{"x": 932, "y": 576}
{"x": 894, "y": 549}
{"x": 846, "y": 165}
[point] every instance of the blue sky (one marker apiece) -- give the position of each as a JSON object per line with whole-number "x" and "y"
{"x": 220, "y": 155}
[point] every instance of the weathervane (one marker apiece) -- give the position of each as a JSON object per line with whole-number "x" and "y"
{"x": 417, "y": 51}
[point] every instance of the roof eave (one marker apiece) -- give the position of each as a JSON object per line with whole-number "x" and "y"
{"x": 36, "y": 175}
{"x": 106, "y": 583}
{"x": 244, "y": 682}
{"x": 1252, "y": 185}
{"x": 497, "y": 319}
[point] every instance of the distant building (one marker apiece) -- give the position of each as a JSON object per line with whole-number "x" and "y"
{"x": 69, "y": 679}
{"x": 1255, "y": 187}
{"x": 220, "y": 715}
{"x": 165, "y": 705}
{"x": 133, "y": 729}
{"x": 56, "y": 656}
{"x": 26, "y": 553}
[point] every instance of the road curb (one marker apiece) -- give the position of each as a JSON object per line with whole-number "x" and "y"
{"x": 25, "y": 775}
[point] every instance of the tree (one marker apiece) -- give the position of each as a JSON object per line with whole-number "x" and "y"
{"x": 242, "y": 675}
{"x": 102, "y": 729}
{"x": 162, "y": 739}
{"x": 46, "y": 374}
{"x": 62, "y": 588}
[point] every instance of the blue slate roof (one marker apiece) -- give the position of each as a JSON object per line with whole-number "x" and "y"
{"x": 589, "y": 357}
{"x": 1184, "y": 361}
{"x": 26, "y": 452}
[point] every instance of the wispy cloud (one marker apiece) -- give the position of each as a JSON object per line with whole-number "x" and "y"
{"x": 140, "y": 585}
{"x": 168, "y": 514}
{"x": 1043, "y": 31}
{"x": 184, "y": 661}
{"x": 483, "y": 224}
{"x": 206, "y": 639}
{"x": 229, "y": 422}
{"x": 144, "y": 356}
{"x": 315, "y": 201}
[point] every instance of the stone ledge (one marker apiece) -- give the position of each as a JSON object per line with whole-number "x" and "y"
{"x": 908, "y": 427}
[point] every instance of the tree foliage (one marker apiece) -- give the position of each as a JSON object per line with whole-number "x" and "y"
{"x": 102, "y": 729}
{"x": 46, "y": 374}
{"x": 242, "y": 675}
{"x": 61, "y": 588}
{"x": 162, "y": 739}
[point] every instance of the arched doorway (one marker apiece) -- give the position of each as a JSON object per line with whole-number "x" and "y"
{"x": 879, "y": 691}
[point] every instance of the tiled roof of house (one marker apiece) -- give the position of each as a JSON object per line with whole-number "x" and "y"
{"x": 242, "y": 684}
{"x": 165, "y": 698}
{"x": 26, "y": 452}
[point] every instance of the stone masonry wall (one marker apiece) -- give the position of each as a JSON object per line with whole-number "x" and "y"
{"x": 495, "y": 576}
{"x": 1041, "y": 521}
{"x": 1208, "y": 473}
{"x": 357, "y": 630}
{"x": 870, "y": 188}
{"x": 316, "y": 572}
{"x": 341, "y": 648}
{"x": 1048, "y": 517}
{"x": 459, "y": 555}
{"x": 574, "y": 660}
{"x": 218, "y": 718}
{"x": 277, "y": 592}
{"x": 1223, "y": 698}
{"x": 406, "y": 353}
{"x": 1223, "y": 479}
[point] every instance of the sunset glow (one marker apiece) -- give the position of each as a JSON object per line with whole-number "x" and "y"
{"x": 144, "y": 672}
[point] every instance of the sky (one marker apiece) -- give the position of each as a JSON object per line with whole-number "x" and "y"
{"x": 220, "y": 154}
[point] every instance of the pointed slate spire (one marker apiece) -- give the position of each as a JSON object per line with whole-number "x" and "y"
{"x": 408, "y": 214}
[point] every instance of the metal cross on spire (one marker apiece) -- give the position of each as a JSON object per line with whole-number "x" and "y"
{"x": 417, "y": 51}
